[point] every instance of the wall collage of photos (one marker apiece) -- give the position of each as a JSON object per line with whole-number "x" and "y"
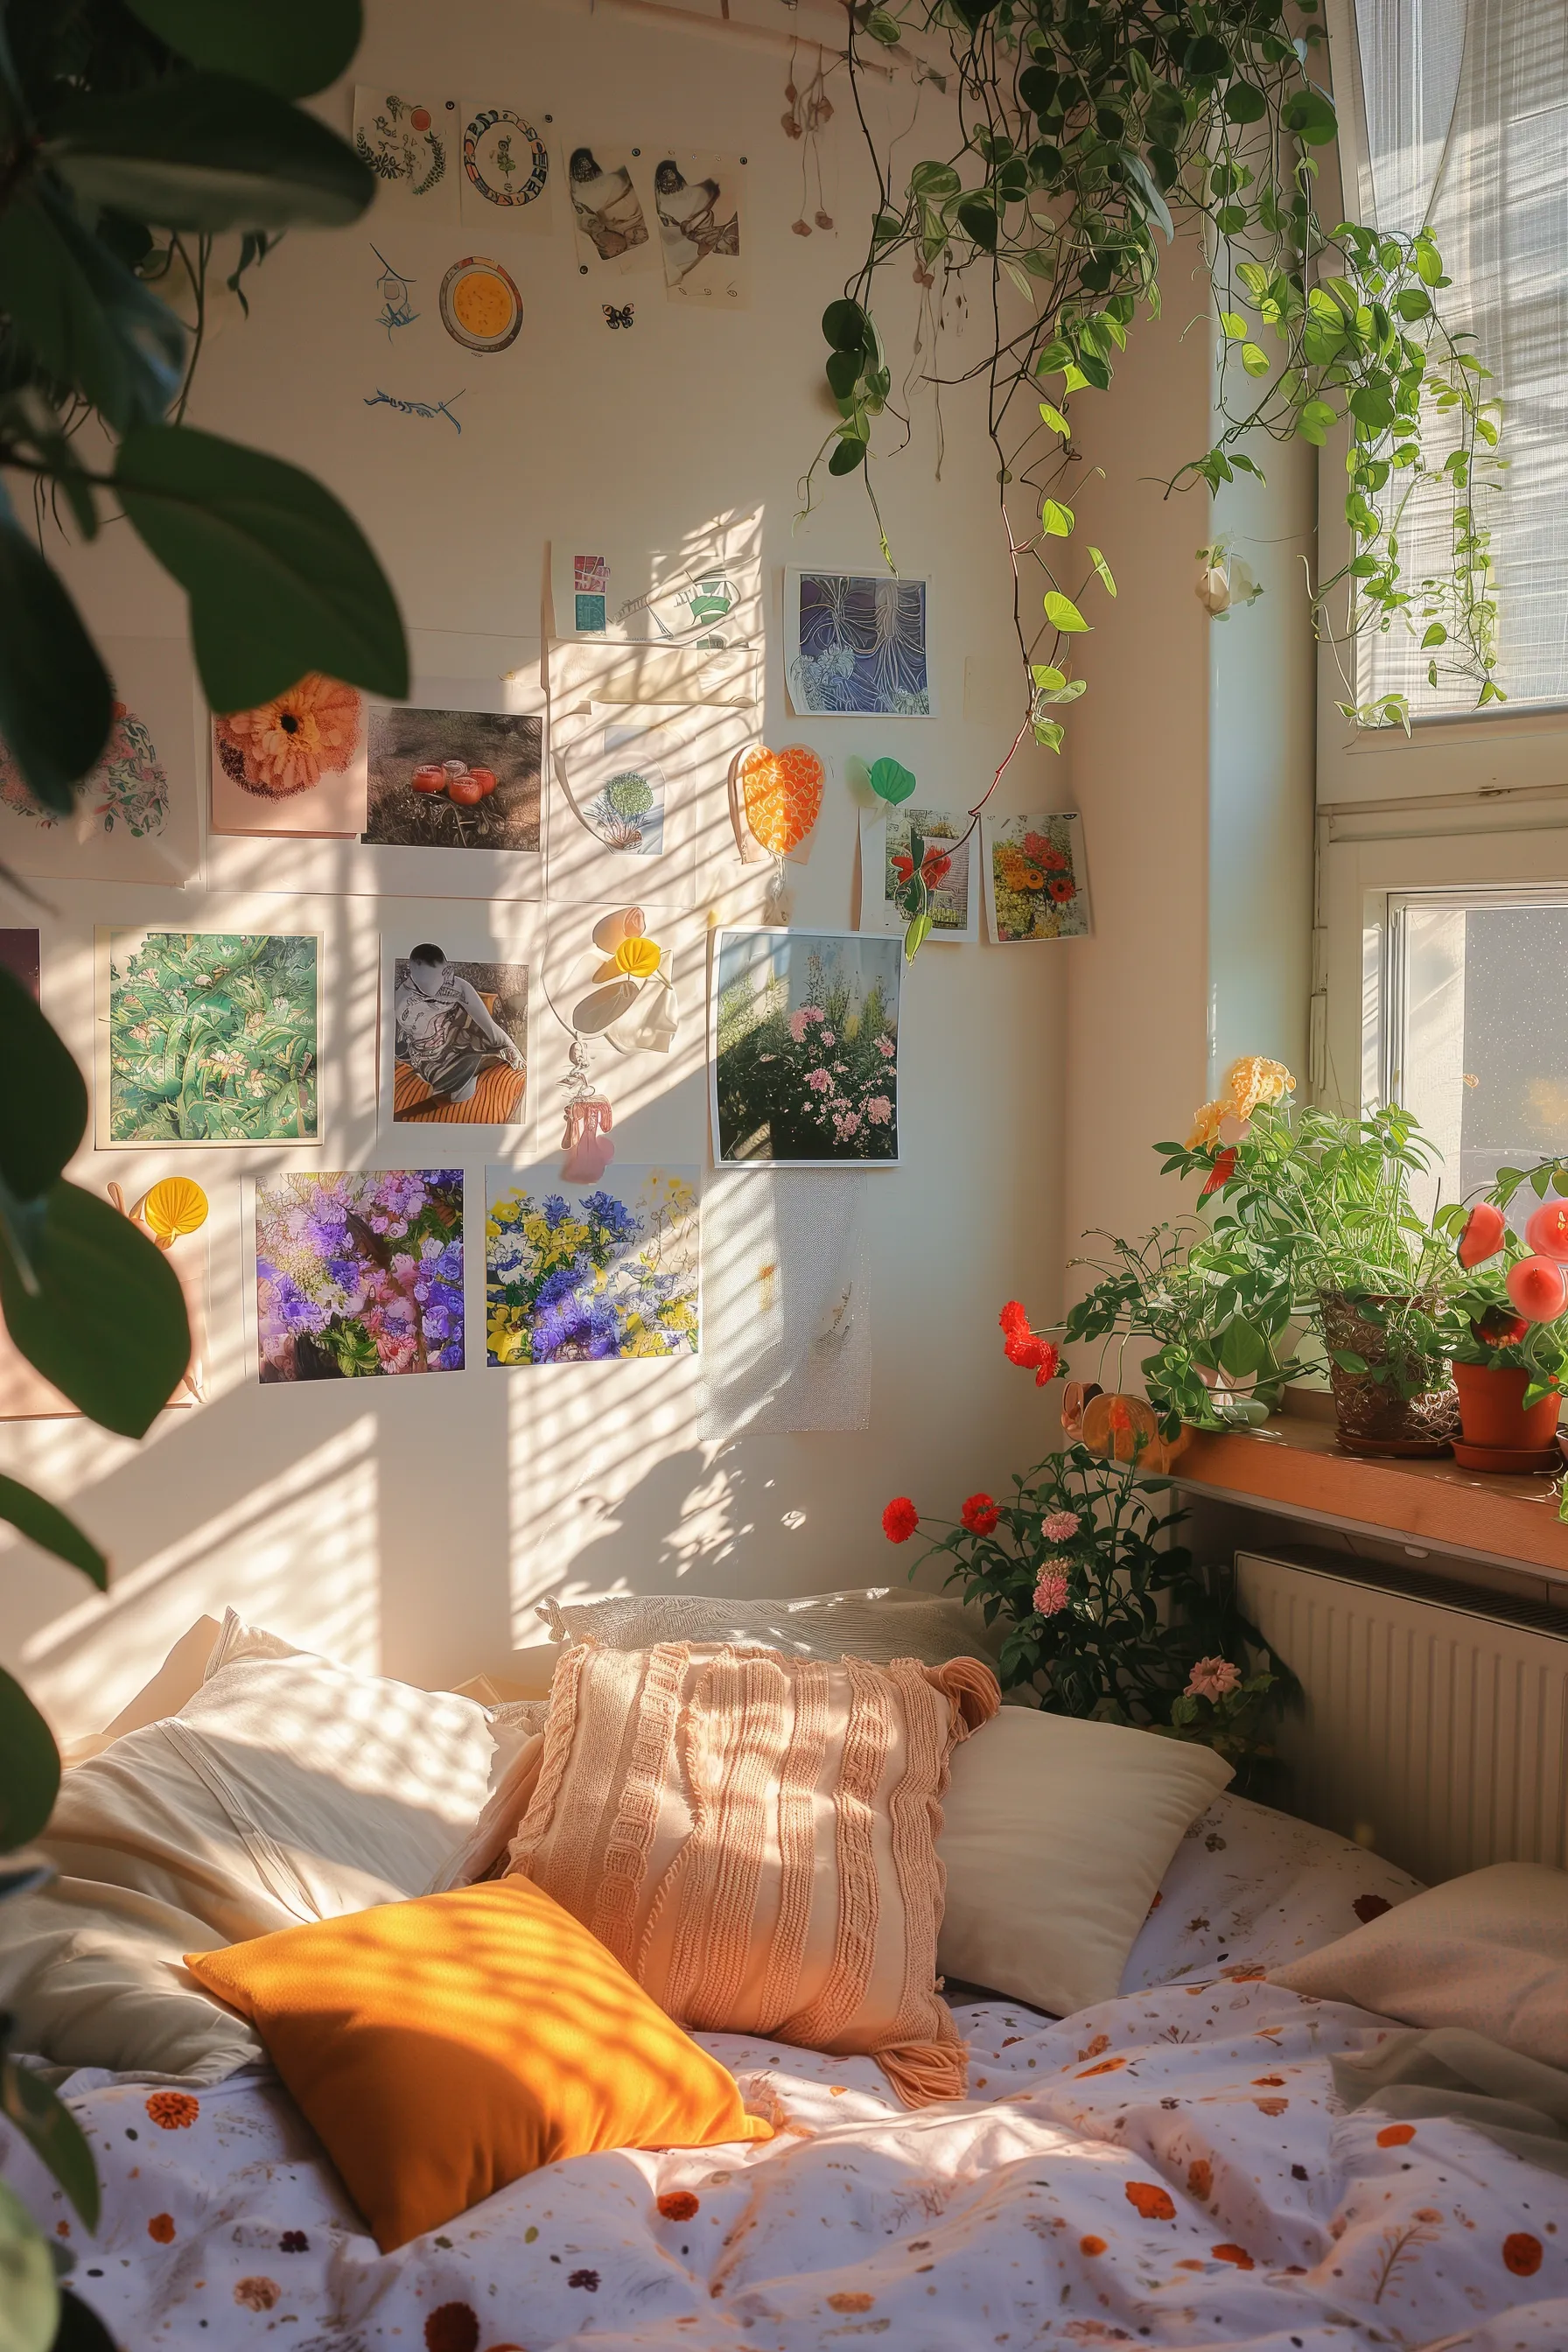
{"x": 554, "y": 831}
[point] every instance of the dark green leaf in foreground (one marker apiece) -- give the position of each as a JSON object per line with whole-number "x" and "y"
{"x": 207, "y": 150}
{"x": 281, "y": 580}
{"x": 108, "y": 1324}
{"x": 87, "y": 319}
{"x": 54, "y": 2133}
{"x": 292, "y": 46}
{"x": 56, "y": 701}
{"x": 47, "y": 1526}
{"x": 37, "y": 1070}
{"x": 29, "y": 1766}
{"x": 81, "y": 2329}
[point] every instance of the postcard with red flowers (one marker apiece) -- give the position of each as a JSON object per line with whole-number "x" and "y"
{"x": 948, "y": 842}
{"x": 1036, "y": 884}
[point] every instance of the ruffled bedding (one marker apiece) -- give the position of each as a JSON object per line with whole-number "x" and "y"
{"x": 1171, "y": 2168}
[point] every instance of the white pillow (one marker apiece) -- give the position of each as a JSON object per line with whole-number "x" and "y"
{"x": 877, "y": 1624}
{"x": 1488, "y": 1952}
{"x": 286, "y": 1789}
{"x": 1056, "y": 1835}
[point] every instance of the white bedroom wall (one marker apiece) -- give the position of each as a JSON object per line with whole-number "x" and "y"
{"x": 416, "y": 1522}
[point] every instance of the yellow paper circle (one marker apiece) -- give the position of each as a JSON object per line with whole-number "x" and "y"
{"x": 638, "y": 958}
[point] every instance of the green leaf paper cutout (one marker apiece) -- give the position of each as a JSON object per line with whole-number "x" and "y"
{"x": 892, "y": 781}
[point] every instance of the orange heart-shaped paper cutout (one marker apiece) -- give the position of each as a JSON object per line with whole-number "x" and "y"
{"x": 783, "y": 795}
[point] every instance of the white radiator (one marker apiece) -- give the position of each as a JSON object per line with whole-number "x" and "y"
{"x": 1434, "y": 1730}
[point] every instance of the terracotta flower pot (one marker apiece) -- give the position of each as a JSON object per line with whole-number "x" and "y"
{"x": 1373, "y": 1417}
{"x": 1493, "y": 1412}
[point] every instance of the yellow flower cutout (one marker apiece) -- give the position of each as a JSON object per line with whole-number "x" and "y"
{"x": 638, "y": 958}
{"x": 1249, "y": 1083}
{"x": 175, "y": 1206}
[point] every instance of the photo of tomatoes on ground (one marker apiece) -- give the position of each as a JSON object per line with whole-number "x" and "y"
{"x": 454, "y": 778}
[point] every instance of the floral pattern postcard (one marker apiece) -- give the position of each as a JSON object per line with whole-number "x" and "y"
{"x": 1036, "y": 884}
{"x": 580, "y": 1272}
{"x": 135, "y": 817}
{"x": 803, "y": 1049}
{"x": 409, "y": 139}
{"x": 359, "y": 1273}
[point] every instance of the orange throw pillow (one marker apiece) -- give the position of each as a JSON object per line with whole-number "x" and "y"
{"x": 754, "y": 1837}
{"x": 443, "y": 2047}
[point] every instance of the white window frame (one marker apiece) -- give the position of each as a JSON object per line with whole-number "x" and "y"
{"x": 1367, "y": 862}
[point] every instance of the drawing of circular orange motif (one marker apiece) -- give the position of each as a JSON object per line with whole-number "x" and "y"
{"x": 678, "y": 2205}
{"x": 479, "y": 304}
{"x": 160, "y": 2229}
{"x": 783, "y": 795}
{"x": 1521, "y": 2254}
{"x": 1396, "y": 2135}
{"x": 1091, "y": 2246}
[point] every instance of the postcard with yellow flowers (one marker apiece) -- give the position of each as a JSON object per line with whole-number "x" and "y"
{"x": 1036, "y": 884}
{"x": 576, "y": 1273}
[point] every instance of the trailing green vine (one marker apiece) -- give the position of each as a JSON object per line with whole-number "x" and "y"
{"x": 1087, "y": 130}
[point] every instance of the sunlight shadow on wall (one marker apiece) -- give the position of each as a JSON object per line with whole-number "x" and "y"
{"x": 299, "y": 1554}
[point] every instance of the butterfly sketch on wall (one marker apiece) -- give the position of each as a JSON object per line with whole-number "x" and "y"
{"x": 622, "y": 317}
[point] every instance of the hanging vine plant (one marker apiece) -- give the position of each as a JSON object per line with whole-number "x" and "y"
{"x": 1088, "y": 130}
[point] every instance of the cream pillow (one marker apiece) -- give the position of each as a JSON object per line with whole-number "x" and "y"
{"x": 753, "y": 1837}
{"x": 1488, "y": 1952}
{"x": 878, "y": 1624}
{"x": 286, "y": 1789}
{"x": 1056, "y": 1835}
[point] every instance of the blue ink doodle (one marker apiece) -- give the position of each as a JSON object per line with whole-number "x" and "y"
{"x": 415, "y": 407}
{"x": 392, "y": 287}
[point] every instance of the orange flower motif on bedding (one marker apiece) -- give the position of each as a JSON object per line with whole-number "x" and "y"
{"x": 256, "y": 2293}
{"x": 1396, "y": 2135}
{"x": 1091, "y": 2246}
{"x": 1106, "y": 2066}
{"x": 847, "y": 2300}
{"x": 679, "y": 2205}
{"x": 1236, "y": 2255}
{"x": 160, "y": 2229}
{"x": 783, "y": 795}
{"x": 172, "y": 2110}
{"x": 1521, "y": 2254}
{"x": 286, "y": 745}
{"x": 1152, "y": 2202}
{"x": 1200, "y": 2180}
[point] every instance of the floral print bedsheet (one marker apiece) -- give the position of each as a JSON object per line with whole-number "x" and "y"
{"x": 1169, "y": 2168}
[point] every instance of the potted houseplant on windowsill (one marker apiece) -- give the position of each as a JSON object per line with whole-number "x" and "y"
{"x": 1507, "y": 1331}
{"x": 1312, "y": 1235}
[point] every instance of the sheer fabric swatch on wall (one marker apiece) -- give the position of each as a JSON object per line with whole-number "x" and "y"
{"x": 786, "y": 1303}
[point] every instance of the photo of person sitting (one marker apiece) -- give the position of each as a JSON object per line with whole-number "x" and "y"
{"x": 455, "y": 1058}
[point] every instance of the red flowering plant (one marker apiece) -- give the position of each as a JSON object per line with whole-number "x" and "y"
{"x": 1513, "y": 1307}
{"x": 1101, "y": 1614}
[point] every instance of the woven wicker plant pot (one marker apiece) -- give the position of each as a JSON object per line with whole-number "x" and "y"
{"x": 1373, "y": 1417}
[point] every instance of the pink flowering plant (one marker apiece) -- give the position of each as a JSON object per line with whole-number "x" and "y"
{"x": 1227, "y": 1709}
{"x": 817, "y": 1080}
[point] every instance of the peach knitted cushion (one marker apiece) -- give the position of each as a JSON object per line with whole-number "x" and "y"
{"x": 754, "y": 1836}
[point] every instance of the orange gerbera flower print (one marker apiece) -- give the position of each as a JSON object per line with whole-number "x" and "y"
{"x": 289, "y": 744}
{"x": 172, "y": 2110}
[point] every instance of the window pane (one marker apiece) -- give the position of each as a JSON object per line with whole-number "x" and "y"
{"x": 1473, "y": 141}
{"x": 1481, "y": 1053}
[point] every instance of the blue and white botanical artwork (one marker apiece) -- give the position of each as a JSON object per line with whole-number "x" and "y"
{"x": 855, "y": 644}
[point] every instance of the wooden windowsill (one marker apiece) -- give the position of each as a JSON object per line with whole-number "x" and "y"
{"x": 1294, "y": 1466}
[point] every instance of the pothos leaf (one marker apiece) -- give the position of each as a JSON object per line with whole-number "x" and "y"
{"x": 1103, "y": 568}
{"x": 1063, "y": 614}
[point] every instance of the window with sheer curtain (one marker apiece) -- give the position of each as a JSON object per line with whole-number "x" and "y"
{"x": 1460, "y": 112}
